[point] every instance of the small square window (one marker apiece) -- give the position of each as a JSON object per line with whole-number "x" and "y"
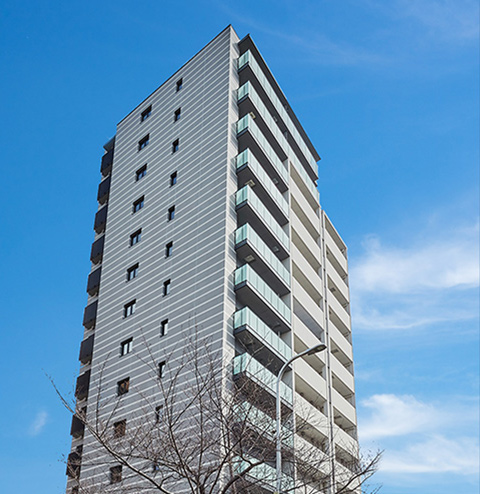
{"x": 161, "y": 369}
{"x": 132, "y": 272}
{"x": 140, "y": 173}
{"x": 142, "y": 143}
{"x": 122, "y": 386}
{"x": 158, "y": 413}
{"x": 126, "y": 346}
{"x": 171, "y": 213}
{"x": 129, "y": 309}
{"x": 119, "y": 428}
{"x": 169, "y": 249}
{"x": 135, "y": 237}
{"x": 146, "y": 113}
{"x": 173, "y": 179}
{"x": 116, "y": 474}
{"x": 138, "y": 204}
{"x": 179, "y": 84}
{"x": 166, "y": 287}
{"x": 176, "y": 115}
{"x": 164, "y": 327}
{"x": 175, "y": 145}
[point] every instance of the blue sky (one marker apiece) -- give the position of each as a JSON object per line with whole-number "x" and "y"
{"x": 388, "y": 93}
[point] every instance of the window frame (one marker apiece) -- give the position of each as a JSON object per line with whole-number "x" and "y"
{"x": 132, "y": 272}
{"x": 135, "y": 237}
{"x": 164, "y": 327}
{"x": 119, "y": 428}
{"x": 129, "y": 308}
{"x": 173, "y": 178}
{"x": 116, "y": 474}
{"x": 171, "y": 213}
{"x": 168, "y": 250}
{"x": 179, "y": 85}
{"x": 143, "y": 142}
{"x": 141, "y": 172}
{"x": 138, "y": 204}
{"x": 161, "y": 369}
{"x": 126, "y": 347}
{"x": 177, "y": 114}
{"x": 167, "y": 287}
{"x": 176, "y": 146}
{"x": 146, "y": 113}
{"x": 123, "y": 386}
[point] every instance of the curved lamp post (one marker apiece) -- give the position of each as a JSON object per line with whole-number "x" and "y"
{"x": 309, "y": 351}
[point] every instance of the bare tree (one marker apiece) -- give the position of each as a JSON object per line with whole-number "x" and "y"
{"x": 214, "y": 435}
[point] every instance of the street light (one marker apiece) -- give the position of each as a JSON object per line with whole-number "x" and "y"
{"x": 309, "y": 351}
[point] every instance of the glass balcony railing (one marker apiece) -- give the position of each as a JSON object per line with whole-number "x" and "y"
{"x": 246, "y": 194}
{"x": 247, "y": 233}
{"x": 247, "y": 122}
{"x": 263, "y": 473}
{"x": 245, "y": 274}
{"x": 248, "y": 58}
{"x": 246, "y": 364}
{"x": 247, "y": 156}
{"x": 246, "y": 317}
{"x": 248, "y": 89}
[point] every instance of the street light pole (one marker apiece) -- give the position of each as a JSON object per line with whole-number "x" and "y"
{"x": 309, "y": 351}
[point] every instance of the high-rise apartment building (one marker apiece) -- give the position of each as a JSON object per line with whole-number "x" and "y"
{"x": 209, "y": 218}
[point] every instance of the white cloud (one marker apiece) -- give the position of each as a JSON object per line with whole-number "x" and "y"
{"x": 38, "y": 423}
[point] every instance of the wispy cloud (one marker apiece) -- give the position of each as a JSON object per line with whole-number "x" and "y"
{"x": 420, "y": 437}
{"x": 38, "y": 423}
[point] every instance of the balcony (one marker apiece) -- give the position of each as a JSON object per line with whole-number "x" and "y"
{"x": 73, "y": 465}
{"x": 107, "y": 162}
{"x": 96, "y": 254}
{"x": 90, "y": 315}
{"x": 263, "y": 475}
{"x": 254, "y": 250}
{"x": 252, "y": 291}
{"x": 249, "y": 170}
{"x": 250, "y": 136}
{"x": 86, "y": 350}
{"x": 250, "y": 209}
{"x": 269, "y": 349}
{"x": 246, "y": 366}
{"x": 83, "y": 383}
{"x": 78, "y": 428}
{"x": 100, "y": 220}
{"x": 104, "y": 190}
{"x": 93, "y": 283}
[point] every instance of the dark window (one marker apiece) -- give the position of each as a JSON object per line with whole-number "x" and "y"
{"x": 176, "y": 115}
{"x": 140, "y": 173}
{"x": 158, "y": 413}
{"x": 161, "y": 369}
{"x": 143, "y": 142}
{"x": 132, "y": 272}
{"x": 166, "y": 287}
{"x": 179, "y": 84}
{"x": 138, "y": 204}
{"x": 129, "y": 309}
{"x": 122, "y": 386}
{"x": 74, "y": 490}
{"x": 116, "y": 474}
{"x": 171, "y": 213}
{"x": 135, "y": 237}
{"x": 155, "y": 467}
{"x": 146, "y": 113}
{"x": 175, "y": 145}
{"x": 126, "y": 346}
{"x": 119, "y": 428}
{"x": 173, "y": 178}
{"x": 169, "y": 249}
{"x": 164, "y": 327}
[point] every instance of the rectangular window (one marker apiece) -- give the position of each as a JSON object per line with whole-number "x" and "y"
{"x": 122, "y": 386}
{"x": 138, "y": 204}
{"x": 169, "y": 249}
{"x": 119, "y": 428}
{"x": 140, "y": 173}
{"x": 171, "y": 213}
{"x": 176, "y": 115}
{"x": 116, "y": 474}
{"x": 179, "y": 84}
{"x": 129, "y": 309}
{"x": 161, "y": 369}
{"x": 126, "y": 346}
{"x": 164, "y": 327}
{"x": 175, "y": 145}
{"x": 166, "y": 287}
{"x": 158, "y": 413}
{"x": 142, "y": 143}
{"x": 135, "y": 237}
{"x": 132, "y": 272}
{"x": 146, "y": 113}
{"x": 173, "y": 179}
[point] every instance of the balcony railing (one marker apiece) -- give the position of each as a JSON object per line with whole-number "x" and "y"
{"x": 246, "y": 275}
{"x": 247, "y": 234}
{"x": 246, "y": 194}
{"x": 246, "y": 317}
{"x": 246, "y": 365}
{"x": 263, "y": 473}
